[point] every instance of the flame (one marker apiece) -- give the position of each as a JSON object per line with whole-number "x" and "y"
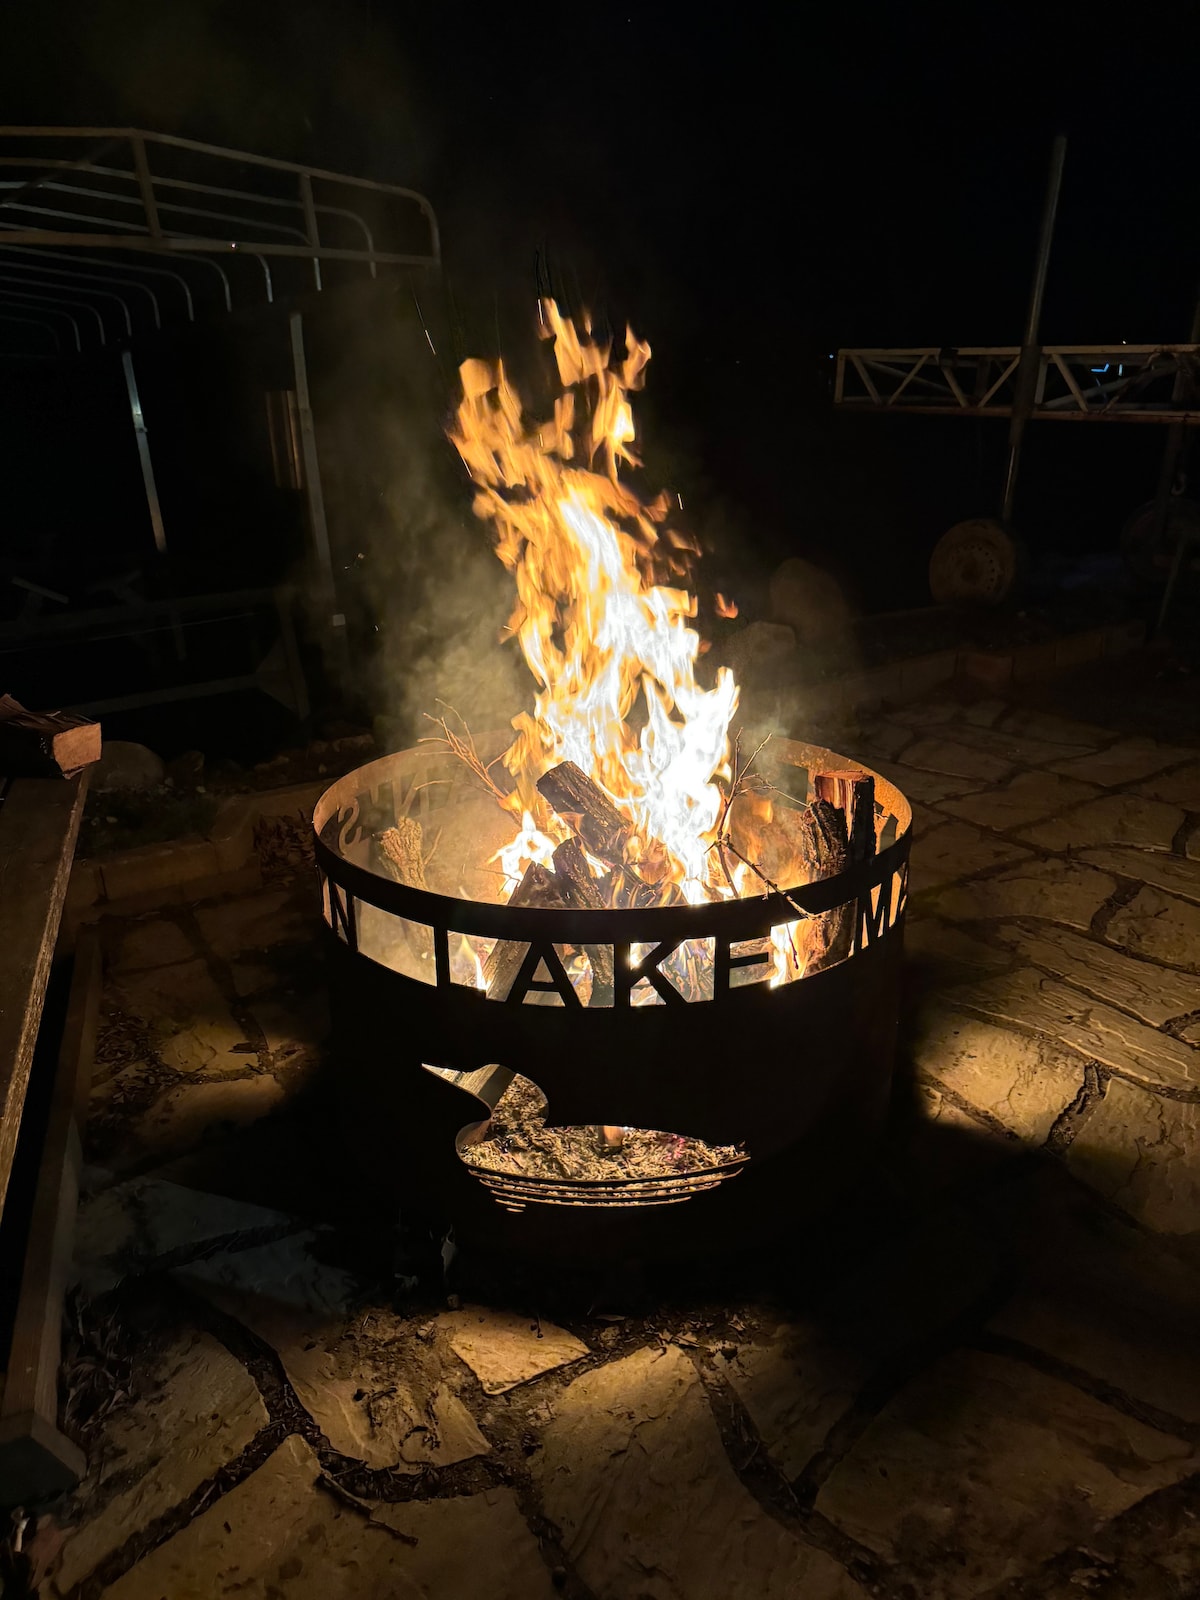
{"x": 601, "y": 616}
{"x": 723, "y": 606}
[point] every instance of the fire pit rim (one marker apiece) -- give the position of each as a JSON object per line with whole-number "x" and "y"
{"x": 745, "y": 918}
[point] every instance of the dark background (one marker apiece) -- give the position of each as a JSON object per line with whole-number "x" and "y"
{"x": 749, "y": 186}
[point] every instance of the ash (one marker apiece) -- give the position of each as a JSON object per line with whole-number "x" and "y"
{"x": 518, "y": 1140}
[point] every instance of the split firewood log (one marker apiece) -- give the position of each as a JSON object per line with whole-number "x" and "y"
{"x": 589, "y": 812}
{"x": 583, "y": 891}
{"x": 853, "y": 793}
{"x": 398, "y": 853}
{"x": 591, "y": 815}
{"x": 45, "y": 744}
{"x": 538, "y": 887}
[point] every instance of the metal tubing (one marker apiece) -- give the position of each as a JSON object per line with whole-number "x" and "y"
{"x": 102, "y": 293}
{"x": 1027, "y": 374}
{"x": 99, "y": 261}
{"x": 312, "y": 488}
{"x": 143, "y": 445}
{"x": 145, "y": 185}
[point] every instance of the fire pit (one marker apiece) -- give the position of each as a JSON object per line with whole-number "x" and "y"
{"x": 784, "y": 1069}
{"x": 614, "y": 971}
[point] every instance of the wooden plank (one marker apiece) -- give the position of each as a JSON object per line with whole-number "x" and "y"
{"x": 39, "y": 823}
{"x": 35, "y": 1458}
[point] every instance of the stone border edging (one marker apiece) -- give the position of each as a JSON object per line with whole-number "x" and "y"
{"x": 224, "y": 858}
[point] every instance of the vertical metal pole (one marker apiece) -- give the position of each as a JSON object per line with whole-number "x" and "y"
{"x": 1031, "y": 355}
{"x": 310, "y": 224}
{"x": 143, "y": 445}
{"x": 146, "y": 186}
{"x": 312, "y": 487}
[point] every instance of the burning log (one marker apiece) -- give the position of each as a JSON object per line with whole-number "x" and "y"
{"x": 538, "y": 887}
{"x": 589, "y": 811}
{"x": 582, "y": 890}
{"x": 398, "y": 851}
{"x": 853, "y": 793}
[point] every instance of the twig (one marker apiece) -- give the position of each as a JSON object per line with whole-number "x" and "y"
{"x": 737, "y": 786}
{"x": 464, "y": 749}
{"x": 770, "y": 883}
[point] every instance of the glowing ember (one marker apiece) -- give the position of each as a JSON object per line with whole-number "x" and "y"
{"x": 603, "y": 630}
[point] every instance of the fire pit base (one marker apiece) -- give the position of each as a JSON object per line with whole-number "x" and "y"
{"x": 401, "y": 1124}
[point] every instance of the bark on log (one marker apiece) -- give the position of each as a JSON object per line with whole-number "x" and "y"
{"x": 538, "y": 887}
{"x": 853, "y": 793}
{"x": 600, "y": 825}
{"x": 591, "y": 815}
{"x": 821, "y": 835}
{"x": 398, "y": 853}
{"x": 582, "y": 890}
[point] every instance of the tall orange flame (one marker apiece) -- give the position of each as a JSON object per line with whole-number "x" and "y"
{"x": 607, "y": 639}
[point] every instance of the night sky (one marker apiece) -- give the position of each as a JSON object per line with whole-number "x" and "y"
{"x": 750, "y": 186}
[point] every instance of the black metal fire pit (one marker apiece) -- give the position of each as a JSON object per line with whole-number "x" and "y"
{"x": 795, "y": 1074}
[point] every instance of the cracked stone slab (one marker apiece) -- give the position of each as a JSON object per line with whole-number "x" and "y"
{"x": 796, "y": 1384}
{"x": 1094, "y": 1029}
{"x": 1022, "y": 1082}
{"x": 633, "y": 1472}
{"x": 504, "y": 1350}
{"x": 187, "y": 1017}
{"x": 1179, "y": 788}
{"x": 1061, "y": 730}
{"x": 983, "y": 1468}
{"x": 186, "y": 1115}
{"x": 1102, "y": 1296}
{"x": 1128, "y": 761}
{"x": 1112, "y": 819}
{"x": 925, "y": 713}
{"x": 145, "y": 1223}
{"x": 801, "y": 1377}
{"x": 1024, "y": 799}
{"x": 955, "y": 851}
{"x": 984, "y": 713}
{"x": 258, "y": 922}
{"x": 1160, "y": 926}
{"x": 1169, "y": 873}
{"x": 924, "y": 819}
{"x": 377, "y": 1395}
{"x": 1153, "y": 993}
{"x": 287, "y": 1274}
{"x": 883, "y": 738}
{"x": 1061, "y": 891}
{"x": 157, "y": 943}
{"x": 1021, "y": 749}
{"x": 948, "y": 950}
{"x": 930, "y": 788}
{"x": 957, "y": 761}
{"x": 196, "y": 1409}
{"x": 294, "y": 1025}
{"x": 278, "y": 1535}
{"x": 943, "y": 1147}
{"x": 1143, "y": 1153}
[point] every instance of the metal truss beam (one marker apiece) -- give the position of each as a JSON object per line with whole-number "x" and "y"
{"x": 1075, "y": 383}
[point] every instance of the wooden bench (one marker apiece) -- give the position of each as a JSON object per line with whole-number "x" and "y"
{"x": 39, "y": 824}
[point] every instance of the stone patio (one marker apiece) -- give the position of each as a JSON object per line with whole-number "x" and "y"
{"x": 978, "y": 1378}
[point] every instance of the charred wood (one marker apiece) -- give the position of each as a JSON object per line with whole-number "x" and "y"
{"x": 538, "y": 887}
{"x": 853, "y": 793}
